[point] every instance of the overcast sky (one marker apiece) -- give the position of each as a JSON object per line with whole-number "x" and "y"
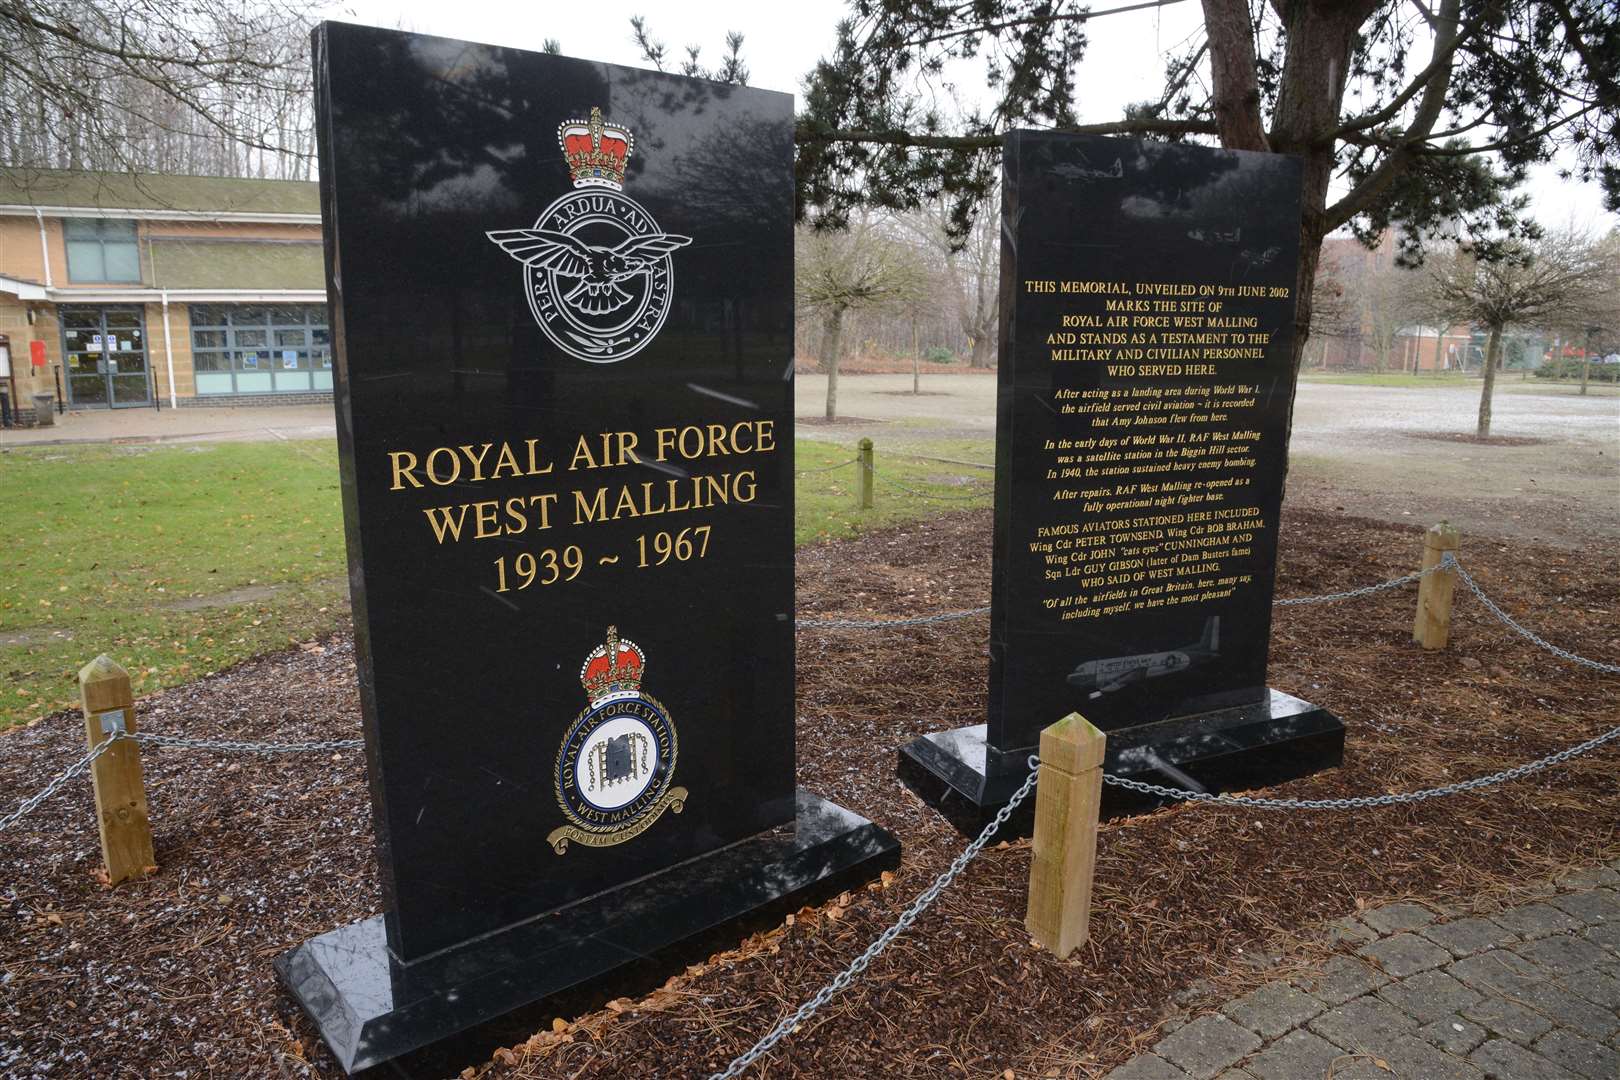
{"x": 1123, "y": 63}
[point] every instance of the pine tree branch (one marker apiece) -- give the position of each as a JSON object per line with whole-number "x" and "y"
{"x": 1141, "y": 126}
{"x": 1434, "y": 99}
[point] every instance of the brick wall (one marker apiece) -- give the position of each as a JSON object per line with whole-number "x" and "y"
{"x": 237, "y": 401}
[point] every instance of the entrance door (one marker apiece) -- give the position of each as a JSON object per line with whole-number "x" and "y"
{"x": 106, "y": 356}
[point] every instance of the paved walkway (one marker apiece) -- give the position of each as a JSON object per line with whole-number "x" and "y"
{"x": 1530, "y": 993}
{"x": 247, "y": 424}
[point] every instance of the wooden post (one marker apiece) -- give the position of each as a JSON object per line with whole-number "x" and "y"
{"x": 1065, "y": 846}
{"x": 863, "y": 478}
{"x": 1432, "y": 628}
{"x": 126, "y": 832}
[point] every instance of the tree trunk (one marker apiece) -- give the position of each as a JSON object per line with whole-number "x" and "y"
{"x": 825, "y": 362}
{"x": 833, "y": 331}
{"x": 980, "y": 356}
{"x": 916, "y": 361}
{"x": 1310, "y": 94}
{"x": 1493, "y": 355}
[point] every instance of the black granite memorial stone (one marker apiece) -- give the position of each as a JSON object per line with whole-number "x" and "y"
{"x": 1144, "y": 396}
{"x": 561, "y": 300}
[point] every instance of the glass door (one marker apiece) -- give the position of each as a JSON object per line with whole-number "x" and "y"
{"x": 105, "y": 351}
{"x": 81, "y": 346}
{"x": 124, "y": 331}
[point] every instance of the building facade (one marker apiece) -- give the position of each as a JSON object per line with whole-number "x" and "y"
{"x": 147, "y": 291}
{"x": 1379, "y": 327}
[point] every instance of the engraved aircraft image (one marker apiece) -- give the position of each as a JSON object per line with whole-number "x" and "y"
{"x": 1118, "y": 672}
{"x": 599, "y": 269}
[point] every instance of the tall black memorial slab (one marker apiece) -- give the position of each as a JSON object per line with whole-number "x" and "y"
{"x": 1144, "y": 393}
{"x": 562, "y": 320}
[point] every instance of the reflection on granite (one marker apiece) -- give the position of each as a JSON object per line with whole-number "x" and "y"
{"x": 1244, "y": 747}
{"x": 1157, "y": 634}
{"x": 370, "y": 1008}
{"x": 469, "y": 665}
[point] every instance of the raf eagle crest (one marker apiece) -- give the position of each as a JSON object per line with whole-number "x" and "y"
{"x": 597, "y": 268}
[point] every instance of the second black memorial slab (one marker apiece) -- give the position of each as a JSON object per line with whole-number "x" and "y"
{"x": 562, "y": 315}
{"x": 1145, "y": 390}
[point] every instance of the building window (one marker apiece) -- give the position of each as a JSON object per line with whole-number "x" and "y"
{"x": 260, "y": 350}
{"x": 102, "y": 250}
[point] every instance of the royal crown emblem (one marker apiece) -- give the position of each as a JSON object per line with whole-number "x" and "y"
{"x": 597, "y": 268}
{"x": 617, "y": 760}
{"x": 596, "y": 151}
{"x": 612, "y": 667}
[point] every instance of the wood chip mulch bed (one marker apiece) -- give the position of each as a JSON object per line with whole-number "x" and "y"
{"x": 171, "y": 977}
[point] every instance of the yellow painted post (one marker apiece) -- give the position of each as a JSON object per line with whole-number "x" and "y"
{"x": 1432, "y": 627}
{"x": 1067, "y": 799}
{"x": 126, "y": 831}
{"x": 863, "y": 479}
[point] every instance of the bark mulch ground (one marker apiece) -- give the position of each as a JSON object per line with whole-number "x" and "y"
{"x": 171, "y": 977}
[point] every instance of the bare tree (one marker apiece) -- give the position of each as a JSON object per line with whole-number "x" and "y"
{"x": 209, "y": 86}
{"x": 1387, "y": 300}
{"x": 971, "y": 267}
{"x": 860, "y": 268}
{"x": 1423, "y": 112}
{"x": 1555, "y": 279}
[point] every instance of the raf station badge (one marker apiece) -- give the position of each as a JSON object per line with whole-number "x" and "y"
{"x": 618, "y": 758}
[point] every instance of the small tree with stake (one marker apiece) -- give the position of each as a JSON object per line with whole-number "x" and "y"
{"x": 1518, "y": 283}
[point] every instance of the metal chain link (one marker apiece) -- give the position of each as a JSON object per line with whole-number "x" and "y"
{"x": 55, "y": 785}
{"x": 1365, "y": 801}
{"x": 314, "y": 747}
{"x": 922, "y": 620}
{"x": 874, "y": 624}
{"x": 84, "y": 763}
{"x": 829, "y": 468}
{"x": 1365, "y": 590}
{"x": 929, "y": 495}
{"x": 1524, "y": 632}
{"x": 841, "y": 981}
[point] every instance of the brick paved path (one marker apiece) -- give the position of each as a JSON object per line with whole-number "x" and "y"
{"x": 1531, "y": 993}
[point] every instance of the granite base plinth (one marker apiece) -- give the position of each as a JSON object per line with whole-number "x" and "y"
{"x": 371, "y": 1008}
{"x": 1250, "y": 746}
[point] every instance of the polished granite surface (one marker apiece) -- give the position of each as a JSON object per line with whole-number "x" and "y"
{"x": 1140, "y": 460}
{"x": 561, "y": 300}
{"x": 562, "y": 313}
{"x": 1194, "y": 225}
{"x": 1236, "y": 749}
{"x": 370, "y": 1008}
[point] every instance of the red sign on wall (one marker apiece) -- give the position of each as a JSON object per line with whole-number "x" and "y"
{"x": 36, "y": 353}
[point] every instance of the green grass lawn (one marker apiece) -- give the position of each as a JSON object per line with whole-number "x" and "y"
{"x": 175, "y": 561}
{"x": 905, "y": 488}
{"x": 178, "y": 561}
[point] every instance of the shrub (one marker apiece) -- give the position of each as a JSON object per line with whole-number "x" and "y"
{"x": 1570, "y": 368}
{"x": 939, "y": 354}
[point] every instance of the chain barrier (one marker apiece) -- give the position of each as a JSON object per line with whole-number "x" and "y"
{"x": 1365, "y": 801}
{"x": 874, "y": 624}
{"x": 841, "y": 981}
{"x": 1365, "y": 590}
{"x": 54, "y": 786}
{"x": 829, "y": 468}
{"x": 1524, "y": 632}
{"x": 84, "y": 763}
{"x": 321, "y": 746}
{"x": 929, "y": 495}
{"x": 946, "y": 616}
